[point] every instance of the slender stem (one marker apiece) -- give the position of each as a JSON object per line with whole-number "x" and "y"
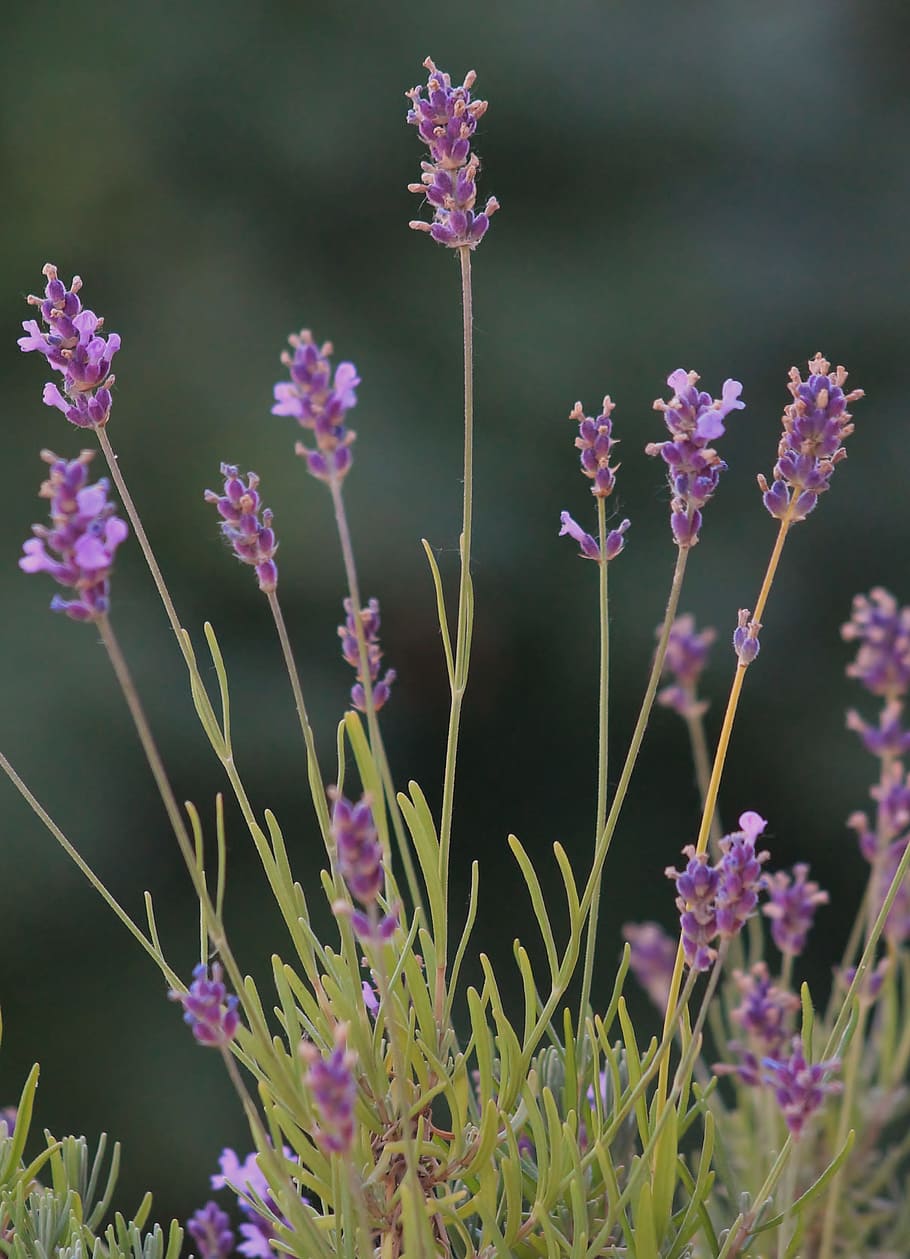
{"x": 314, "y": 774}
{"x": 701, "y": 760}
{"x": 376, "y": 744}
{"x": 602, "y": 758}
{"x": 465, "y": 589}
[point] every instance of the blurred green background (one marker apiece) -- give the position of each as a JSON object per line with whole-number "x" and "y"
{"x": 721, "y": 186}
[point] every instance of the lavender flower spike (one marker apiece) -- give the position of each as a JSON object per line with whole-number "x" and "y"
{"x": 72, "y": 346}
{"x": 694, "y": 419}
{"x": 252, "y": 539}
{"x": 210, "y": 1229}
{"x": 588, "y": 546}
{"x": 334, "y": 1091}
{"x": 359, "y": 858}
{"x": 800, "y": 1088}
{"x": 207, "y": 1008}
{"x": 687, "y": 655}
{"x": 381, "y": 687}
{"x": 791, "y": 907}
{"x": 882, "y": 629}
{"x": 446, "y": 119}
{"x": 79, "y": 547}
{"x": 816, "y": 423}
{"x": 319, "y": 401}
{"x": 595, "y": 441}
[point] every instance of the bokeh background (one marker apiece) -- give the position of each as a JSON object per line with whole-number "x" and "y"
{"x": 714, "y": 185}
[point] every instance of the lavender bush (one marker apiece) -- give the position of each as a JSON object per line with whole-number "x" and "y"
{"x": 380, "y": 1120}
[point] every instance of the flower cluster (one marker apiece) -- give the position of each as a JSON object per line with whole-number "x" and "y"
{"x": 595, "y": 441}
{"x": 254, "y": 1197}
{"x": 381, "y": 688}
{"x": 693, "y": 419}
{"x": 791, "y": 905}
{"x": 251, "y": 538}
{"x": 210, "y": 1228}
{"x": 717, "y": 900}
{"x": 800, "y": 1087}
{"x": 685, "y": 659}
{"x": 319, "y": 400}
{"x": 334, "y": 1091}
{"x": 78, "y": 548}
{"x": 207, "y": 1008}
{"x": 882, "y": 629}
{"x": 765, "y": 1013}
{"x": 359, "y": 857}
{"x": 816, "y": 423}
{"x": 652, "y": 954}
{"x": 446, "y": 119}
{"x": 72, "y": 346}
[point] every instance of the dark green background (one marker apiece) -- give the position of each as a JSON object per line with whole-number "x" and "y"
{"x": 712, "y": 185}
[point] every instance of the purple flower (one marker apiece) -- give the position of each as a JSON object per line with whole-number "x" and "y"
{"x": 694, "y": 419}
{"x": 589, "y": 547}
{"x": 687, "y": 655}
{"x": 381, "y": 688}
{"x": 333, "y": 1090}
{"x": 745, "y": 638}
{"x": 446, "y": 119}
{"x": 79, "y": 547}
{"x": 791, "y": 907}
{"x": 252, "y": 539}
{"x": 247, "y": 1180}
{"x": 320, "y": 401}
{"x": 882, "y": 629}
{"x": 8, "y": 1116}
{"x": 359, "y": 856}
{"x": 595, "y": 440}
{"x": 697, "y": 903}
{"x": 816, "y": 423}
{"x": 72, "y": 346}
{"x": 207, "y": 1008}
{"x": 651, "y": 959}
{"x": 765, "y": 1013}
{"x": 888, "y": 739}
{"x": 800, "y": 1088}
{"x": 210, "y": 1229}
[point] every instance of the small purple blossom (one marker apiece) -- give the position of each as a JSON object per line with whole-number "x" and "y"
{"x": 800, "y": 1087}
{"x": 210, "y": 1229}
{"x": 248, "y": 1181}
{"x": 651, "y": 959}
{"x": 333, "y": 1090}
{"x": 791, "y": 907}
{"x": 816, "y": 423}
{"x": 588, "y": 546}
{"x": 78, "y": 548}
{"x": 765, "y": 1014}
{"x": 207, "y": 1008}
{"x": 319, "y": 401}
{"x": 694, "y": 419}
{"x": 359, "y": 857}
{"x": 446, "y": 119}
{"x": 745, "y": 638}
{"x": 697, "y": 902}
{"x": 251, "y": 537}
{"x": 71, "y": 344}
{"x": 887, "y": 740}
{"x": 882, "y": 629}
{"x": 686, "y": 657}
{"x": 381, "y": 687}
{"x": 595, "y": 441}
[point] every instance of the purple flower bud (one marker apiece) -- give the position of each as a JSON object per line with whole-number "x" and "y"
{"x": 745, "y": 638}
{"x": 888, "y": 740}
{"x": 800, "y": 1088}
{"x": 207, "y": 1008}
{"x": 78, "y": 548}
{"x": 693, "y": 419}
{"x": 740, "y": 877}
{"x": 72, "y": 346}
{"x": 588, "y": 546}
{"x": 696, "y": 901}
{"x": 210, "y": 1229}
{"x": 651, "y": 959}
{"x": 251, "y": 538}
{"x": 686, "y": 657}
{"x": 381, "y": 687}
{"x": 816, "y": 424}
{"x": 882, "y": 629}
{"x": 334, "y": 1092}
{"x": 319, "y": 401}
{"x": 595, "y": 441}
{"x": 8, "y": 1116}
{"x": 791, "y": 907}
{"x": 446, "y": 119}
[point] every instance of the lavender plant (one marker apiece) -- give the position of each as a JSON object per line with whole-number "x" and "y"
{"x": 382, "y": 1124}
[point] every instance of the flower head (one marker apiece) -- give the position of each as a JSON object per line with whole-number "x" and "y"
{"x": 686, "y": 657}
{"x": 207, "y": 1008}
{"x": 252, "y": 538}
{"x": 652, "y": 954}
{"x": 71, "y": 344}
{"x": 210, "y": 1229}
{"x": 882, "y": 629}
{"x": 78, "y": 548}
{"x": 694, "y": 419}
{"x": 792, "y": 902}
{"x": 319, "y": 399}
{"x": 254, "y": 1193}
{"x": 360, "y": 864}
{"x": 381, "y": 687}
{"x": 446, "y": 119}
{"x": 333, "y": 1090}
{"x": 800, "y": 1087}
{"x": 745, "y": 638}
{"x": 816, "y": 423}
{"x": 595, "y": 441}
